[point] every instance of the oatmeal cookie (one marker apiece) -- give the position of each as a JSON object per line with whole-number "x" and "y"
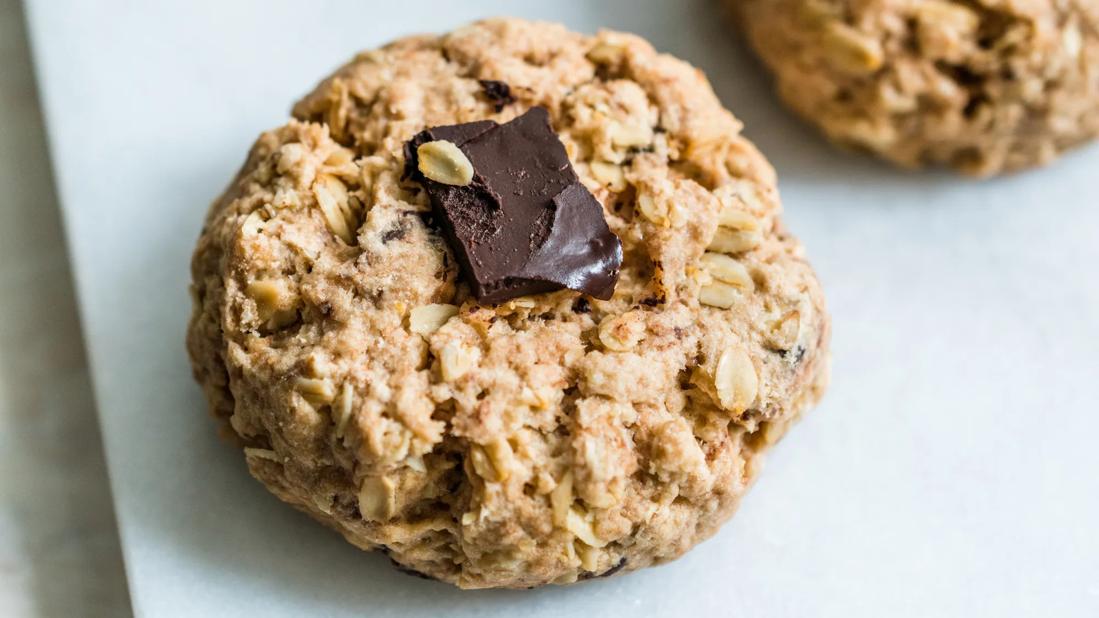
{"x": 984, "y": 86}
{"x": 549, "y": 437}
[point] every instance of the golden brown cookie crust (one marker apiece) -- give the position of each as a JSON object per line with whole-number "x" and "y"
{"x": 551, "y": 438}
{"x": 984, "y": 86}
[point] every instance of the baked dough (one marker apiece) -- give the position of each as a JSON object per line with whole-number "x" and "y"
{"x": 550, "y": 438}
{"x": 984, "y": 86}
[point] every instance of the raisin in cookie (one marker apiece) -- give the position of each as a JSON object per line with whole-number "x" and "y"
{"x": 985, "y": 86}
{"x": 579, "y": 425}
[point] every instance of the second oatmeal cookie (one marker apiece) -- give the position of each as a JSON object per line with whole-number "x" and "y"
{"x": 984, "y": 86}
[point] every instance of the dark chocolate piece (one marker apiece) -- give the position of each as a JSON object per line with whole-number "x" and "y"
{"x": 499, "y": 93}
{"x": 525, "y": 224}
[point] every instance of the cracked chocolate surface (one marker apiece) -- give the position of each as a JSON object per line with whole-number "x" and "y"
{"x": 525, "y": 224}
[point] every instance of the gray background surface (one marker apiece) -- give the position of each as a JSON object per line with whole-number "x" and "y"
{"x": 59, "y": 553}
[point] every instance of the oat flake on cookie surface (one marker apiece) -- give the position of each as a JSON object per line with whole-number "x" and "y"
{"x": 984, "y": 86}
{"x": 549, "y": 438}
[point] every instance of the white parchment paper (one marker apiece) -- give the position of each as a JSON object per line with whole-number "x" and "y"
{"x": 952, "y": 470}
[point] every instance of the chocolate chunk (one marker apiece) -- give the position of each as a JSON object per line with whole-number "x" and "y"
{"x": 499, "y": 93}
{"x": 525, "y": 224}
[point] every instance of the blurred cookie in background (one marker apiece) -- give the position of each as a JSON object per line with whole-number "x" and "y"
{"x": 983, "y": 86}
